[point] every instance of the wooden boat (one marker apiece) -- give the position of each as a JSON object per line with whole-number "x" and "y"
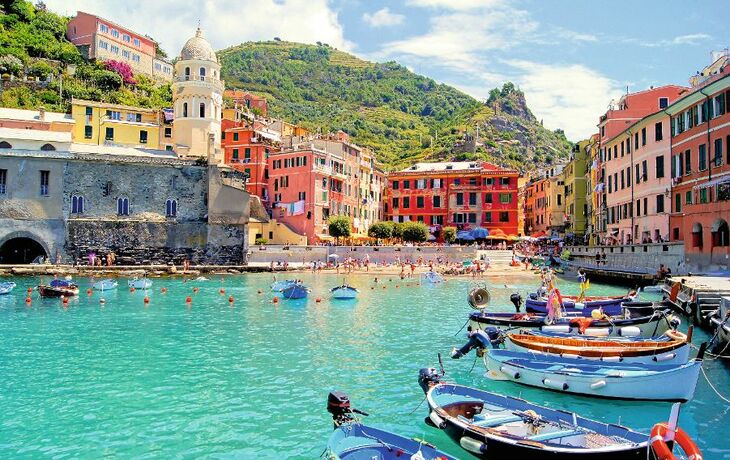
{"x": 140, "y": 283}
{"x": 105, "y": 285}
{"x": 674, "y": 350}
{"x": 295, "y": 291}
{"x": 490, "y": 425}
{"x": 645, "y": 326}
{"x": 352, "y": 440}
{"x": 6, "y": 288}
{"x": 656, "y": 382}
{"x": 610, "y": 306}
{"x": 720, "y": 320}
{"x": 344, "y": 292}
{"x": 279, "y": 286}
{"x": 58, "y": 288}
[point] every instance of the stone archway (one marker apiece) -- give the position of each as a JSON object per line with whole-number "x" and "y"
{"x": 720, "y": 233}
{"x": 22, "y": 248}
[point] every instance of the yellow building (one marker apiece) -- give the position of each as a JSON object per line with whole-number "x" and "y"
{"x": 555, "y": 204}
{"x": 576, "y": 211}
{"x": 592, "y": 187}
{"x": 100, "y": 123}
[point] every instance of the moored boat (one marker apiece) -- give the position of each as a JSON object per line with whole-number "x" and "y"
{"x": 140, "y": 283}
{"x": 490, "y": 425}
{"x": 105, "y": 285}
{"x": 656, "y": 382}
{"x": 352, "y": 440}
{"x": 432, "y": 278}
{"x": 279, "y": 286}
{"x": 58, "y": 288}
{"x": 295, "y": 291}
{"x": 610, "y": 306}
{"x": 344, "y": 292}
{"x": 6, "y": 288}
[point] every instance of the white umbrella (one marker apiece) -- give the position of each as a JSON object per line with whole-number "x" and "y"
{"x": 333, "y": 256}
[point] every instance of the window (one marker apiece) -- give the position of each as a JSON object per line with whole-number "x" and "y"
{"x": 302, "y": 195}
{"x": 506, "y": 198}
{"x": 702, "y": 157}
{"x": 45, "y": 175}
{"x": 171, "y": 208}
{"x": 472, "y": 199}
{"x": 3, "y": 181}
{"x": 201, "y": 72}
{"x": 687, "y": 163}
{"x": 104, "y": 28}
{"x": 77, "y": 204}
{"x": 88, "y": 132}
{"x": 504, "y": 181}
{"x": 659, "y": 203}
{"x": 395, "y": 203}
{"x": 623, "y": 182}
{"x": 678, "y": 203}
{"x": 487, "y": 217}
{"x": 115, "y": 33}
{"x": 235, "y": 136}
{"x": 636, "y": 140}
{"x": 114, "y": 49}
{"x": 459, "y": 199}
{"x": 406, "y": 202}
{"x": 560, "y": 200}
{"x": 187, "y": 73}
{"x": 125, "y": 54}
{"x": 247, "y": 154}
{"x": 504, "y": 216}
{"x": 719, "y": 105}
{"x": 185, "y": 109}
{"x": 201, "y": 111}
{"x": 114, "y": 114}
{"x": 688, "y": 197}
{"x": 168, "y": 132}
{"x": 109, "y": 134}
{"x": 718, "y": 152}
{"x": 638, "y": 208}
{"x": 663, "y": 102}
{"x": 660, "y": 166}
{"x": 419, "y": 202}
{"x": 658, "y": 134}
{"x": 472, "y": 181}
{"x": 487, "y": 198}
{"x": 406, "y": 184}
{"x": 489, "y": 181}
{"x": 123, "y": 206}
{"x": 643, "y": 136}
{"x": 235, "y": 154}
{"x": 135, "y": 57}
{"x": 703, "y": 195}
{"x": 628, "y": 176}
{"x": 126, "y": 38}
{"x": 472, "y": 218}
{"x": 395, "y": 185}
{"x": 143, "y": 137}
{"x": 136, "y": 42}
{"x": 644, "y": 170}
{"x": 436, "y": 183}
{"x": 103, "y": 45}
{"x": 421, "y": 184}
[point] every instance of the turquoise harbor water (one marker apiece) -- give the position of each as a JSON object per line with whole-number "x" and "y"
{"x": 250, "y": 379}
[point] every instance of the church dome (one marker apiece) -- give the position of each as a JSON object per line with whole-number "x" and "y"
{"x": 198, "y": 48}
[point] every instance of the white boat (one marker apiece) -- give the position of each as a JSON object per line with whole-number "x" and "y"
{"x": 344, "y": 292}
{"x": 6, "y": 288}
{"x": 656, "y": 382}
{"x": 105, "y": 285}
{"x": 140, "y": 283}
{"x": 279, "y": 286}
{"x": 433, "y": 278}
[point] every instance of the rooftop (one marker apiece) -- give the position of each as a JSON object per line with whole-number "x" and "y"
{"x": 34, "y": 135}
{"x": 454, "y": 166}
{"x": 107, "y": 105}
{"x": 34, "y": 115}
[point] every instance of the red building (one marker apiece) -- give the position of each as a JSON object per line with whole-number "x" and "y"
{"x": 700, "y": 213}
{"x": 247, "y": 150}
{"x": 460, "y": 194}
{"x": 248, "y": 100}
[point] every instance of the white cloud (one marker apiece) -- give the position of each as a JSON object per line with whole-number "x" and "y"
{"x": 459, "y": 5}
{"x": 690, "y": 39}
{"x": 383, "y": 17}
{"x": 224, "y": 22}
{"x": 570, "y": 97}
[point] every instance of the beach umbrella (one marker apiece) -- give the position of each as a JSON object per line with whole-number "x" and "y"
{"x": 464, "y": 235}
{"x": 479, "y": 232}
{"x": 333, "y": 256}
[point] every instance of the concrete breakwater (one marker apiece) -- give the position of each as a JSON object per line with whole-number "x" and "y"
{"x": 376, "y": 254}
{"x": 640, "y": 258}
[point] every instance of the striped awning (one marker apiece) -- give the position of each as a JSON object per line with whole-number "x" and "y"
{"x": 719, "y": 181}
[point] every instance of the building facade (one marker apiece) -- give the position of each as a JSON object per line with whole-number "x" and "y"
{"x": 247, "y": 101}
{"x": 101, "y": 123}
{"x": 103, "y": 40}
{"x": 460, "y": 194}
{"x": 576, "y": 208}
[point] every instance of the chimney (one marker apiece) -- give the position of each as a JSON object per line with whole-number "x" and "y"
{"x": 42, "y": 114}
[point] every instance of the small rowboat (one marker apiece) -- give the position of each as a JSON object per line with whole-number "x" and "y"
{"x": 490, "y": 425}
{"x": 433, "y": 278}
{"x": 344, "y": 292}
{"x": 58, "y": 288}
{"x": 295, "y": 291}
{"x": 673, "y": 350}
{"x": 610, "y": 306}
{"x": 140, "y": 283}
{"x": 105, "y": 285}
{"x": 279, "y": 286}
{"x": 6, "y": 288}
{"x": 656, "y": 382}
{"x": 352, "y": 440}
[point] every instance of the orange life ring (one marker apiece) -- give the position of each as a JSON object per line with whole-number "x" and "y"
{"x": 661, "y": 449}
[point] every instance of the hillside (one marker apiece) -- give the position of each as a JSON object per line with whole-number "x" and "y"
{"x": 404, "y": 117}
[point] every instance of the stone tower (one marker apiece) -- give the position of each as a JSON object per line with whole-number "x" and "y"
{"x": 197, "y": 96}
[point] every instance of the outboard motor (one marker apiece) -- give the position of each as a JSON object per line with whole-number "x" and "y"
{"x": 428, "y": 377}
{"x": 338, "y": 404}
{"x": 532, "y": 296}
{"x": 481, "y": 340}
{"x": 516, "y": 300}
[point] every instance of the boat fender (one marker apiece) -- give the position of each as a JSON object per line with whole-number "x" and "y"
{"x": 664, "y": 357}
{"x": 438, "y": 422}
{"x": 597, "y": 331}
{"x": 612, "y": 359}
{"x": 598, "y": 385}
{"x": 561, "y": 328}
{"x": 472, "y": 445}
{"x": 515, "y": 374}
{"x": 661, "y": 434}
{"x": 629, "y": 331}
{"x": 569, "y": 356}
{"x": 555, "y": 384}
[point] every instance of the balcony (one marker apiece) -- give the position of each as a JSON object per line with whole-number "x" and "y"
{"x": 197, "y": 80}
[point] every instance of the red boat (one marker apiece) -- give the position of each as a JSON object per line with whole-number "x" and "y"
{"x": 58, "y": 288}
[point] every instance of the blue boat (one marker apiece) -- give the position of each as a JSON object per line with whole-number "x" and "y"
{"x": 610, "y": 306}
{"x": 6, "y": 288}
{"x": 105, "y": 285}
{"x": 279, "y": 286}
{"x": 433, "y": 278}
{"x": 344, "y": 292}
{"x": 295, "y": 291}
{"x": 352, "y": 440}
{"x": 490, "y": 425}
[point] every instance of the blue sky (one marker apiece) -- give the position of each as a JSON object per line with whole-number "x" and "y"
{"x": 570, "y": 57}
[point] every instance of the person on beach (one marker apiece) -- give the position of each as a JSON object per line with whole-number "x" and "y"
{"x": 402, "y": 271}
{"x": 413, "y": 268}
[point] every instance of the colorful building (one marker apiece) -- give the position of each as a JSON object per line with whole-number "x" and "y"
{"x": 101, "y": 123}
{"x": 576, "y": 208}
{"x": 460, "y": 194}
{"x": 594, "y": 191}
{"x": 103, "y": 40}
{"x": 248, "y": 101}
{"x": 700, "y": 170}
{"x": 39, "y": 120}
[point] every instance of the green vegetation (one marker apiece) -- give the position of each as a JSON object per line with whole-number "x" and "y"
{"x": 380, "y": 230}
{"x": 260, "y": 241}
{"x": 449, "y": 234}
{"x": 33, "y": 44}
{"x": 415, "y": 232}
{"x": 404, "y": 117}
{"x": 340, "y": 226}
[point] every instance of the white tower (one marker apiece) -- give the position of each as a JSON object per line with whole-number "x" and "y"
{"x": 197, "y": 96}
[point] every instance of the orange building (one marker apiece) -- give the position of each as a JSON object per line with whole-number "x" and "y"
{"x": 248, "y": 100}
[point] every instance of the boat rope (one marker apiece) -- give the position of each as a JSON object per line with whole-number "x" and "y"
{"x": 473, "y": 364}
{"x": 418, "y": 406}
{"x": 713, "y": 387}
{"x": 714, "y": 356}
{"x": 462, "y": 327}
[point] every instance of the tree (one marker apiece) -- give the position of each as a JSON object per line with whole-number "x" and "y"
{"x": 380, "y": 230}
{"x": 340, "y": 226}
{"x": 415, "y": 232}
{"x": 123, "y": 69}
{"x": 449, "y": 234}
{"x": 10, "y": 64}
{"x": 396, "y": 229}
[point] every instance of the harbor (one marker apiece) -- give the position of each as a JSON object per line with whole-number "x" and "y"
{"x": 234, "y": 373}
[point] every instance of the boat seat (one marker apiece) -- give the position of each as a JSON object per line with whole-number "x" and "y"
{"x": 554, "y": 435}
{"x": 494, "y": 420}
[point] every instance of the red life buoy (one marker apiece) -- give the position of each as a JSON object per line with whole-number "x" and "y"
{"x": 661, "y": 449}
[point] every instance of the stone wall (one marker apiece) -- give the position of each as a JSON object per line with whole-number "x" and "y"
{"x": 644, "y": 258}
{"x": 376, "y": 254}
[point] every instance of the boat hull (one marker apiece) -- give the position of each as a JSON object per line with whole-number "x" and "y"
{"x": 6, "y": 288}
{"x": 140, "y": 283}
{"x": 105, "y": 285}
{"x": 279, "y": 286}
{"x": 51, "y": 291}
{"x": 295, "y": 292}
{"x": 609, "y": 306}
{"x": 344, "y": 293}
